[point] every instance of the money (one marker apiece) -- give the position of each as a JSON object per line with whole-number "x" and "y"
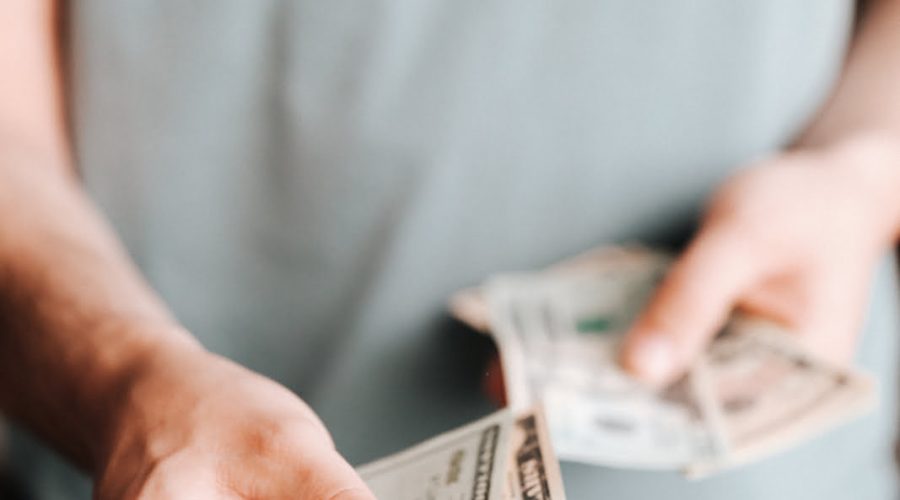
{"x": 533, "y": 470}
{"x": 499, "y": 457}
{"x": 558, "y": 340}
{"x": 769, "y": 393}
{"x": 558, "y": 331}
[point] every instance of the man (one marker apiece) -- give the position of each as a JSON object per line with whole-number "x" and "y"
{"x": 305, "y": 182}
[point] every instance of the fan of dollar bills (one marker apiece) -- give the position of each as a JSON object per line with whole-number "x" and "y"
{"x": 753, "y": 393}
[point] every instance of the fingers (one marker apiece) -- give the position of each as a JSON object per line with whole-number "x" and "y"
{"x": 832, "y": 320}
{"x": 316, "y": 473}
{"x": 690, "y": 305}
{"x": 321, "y": 475}
{"x": 302, "y": 466}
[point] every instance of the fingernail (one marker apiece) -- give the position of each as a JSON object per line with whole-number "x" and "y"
{"x": 652, "y": 358}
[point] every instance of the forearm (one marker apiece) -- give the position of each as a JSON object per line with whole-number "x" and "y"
{"x": 77, "y": 323}
{"x": 861, "y": 120}
{"x": 76, "y": 320}
{"x": 31, "y": 102}
{"x": 866, "y": 100}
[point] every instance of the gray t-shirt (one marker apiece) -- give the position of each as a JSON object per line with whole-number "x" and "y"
{"x": 306, "y": 182}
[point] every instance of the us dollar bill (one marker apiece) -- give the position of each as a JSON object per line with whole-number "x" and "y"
{"x": 559, "y": 339}
{"x": 499, "y": 457}
{"x": 533, "y": 469}
{"x": 558, "y": 331}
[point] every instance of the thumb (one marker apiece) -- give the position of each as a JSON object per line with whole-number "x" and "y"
{"x": 690, "y": 305}
{"x": 333, "y": 478}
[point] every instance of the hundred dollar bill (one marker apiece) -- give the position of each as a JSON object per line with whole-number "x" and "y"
{"x": 498, "y": 457}
{"x": 754, "y": 392}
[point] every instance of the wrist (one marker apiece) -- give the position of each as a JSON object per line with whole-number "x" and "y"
{"x": 868, "y": 165}
{"x": 148, "y": 360}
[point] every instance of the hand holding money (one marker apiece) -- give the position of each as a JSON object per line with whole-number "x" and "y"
{"x": 703, "y": 403}
{"x": 793, "y": 238}
{"x": 200, "y": 426}
{"x": 751, "y": 393}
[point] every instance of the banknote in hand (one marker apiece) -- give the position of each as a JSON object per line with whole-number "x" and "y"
{"x": 500, "y": 457}
{"x": 754, "y": 391}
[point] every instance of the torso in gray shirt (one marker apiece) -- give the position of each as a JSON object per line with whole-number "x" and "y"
{"x": 306, "y": 182}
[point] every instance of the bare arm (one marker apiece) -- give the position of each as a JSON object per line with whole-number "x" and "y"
{"x": 92, "y": 361}
{"x": 30, "y": 98}
{"x": 867, "y": 99}
{"x": 75, "y": 317}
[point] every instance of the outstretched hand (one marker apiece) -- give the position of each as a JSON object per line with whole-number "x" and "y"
{"x": 199, "y": 426}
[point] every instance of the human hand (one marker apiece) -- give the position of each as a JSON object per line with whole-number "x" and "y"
{"x": 198, "y": 426}
{"x": 793, "y": 238}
